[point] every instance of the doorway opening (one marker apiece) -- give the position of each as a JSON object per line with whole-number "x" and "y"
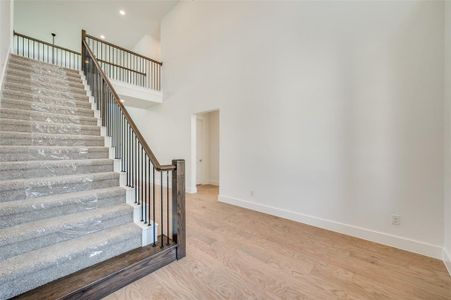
{"x": 205, "y": 150}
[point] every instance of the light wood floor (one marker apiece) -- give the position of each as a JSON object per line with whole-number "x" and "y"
{"x": 234, "y": 253}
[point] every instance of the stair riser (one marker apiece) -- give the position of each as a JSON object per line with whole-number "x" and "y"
{"x": 18, "y": 69}
{"x": 40, "y": 86}
{"x": 70, "y": 207}
{"x": 19, "y": 94}
{"x": 63, "y": 234}
{"x": 49, "y": 128}
{"x": 48, "y": 171}
{"x": 36, "y": 67}
{"x": 32, "y": 280}
{"x": 17, "y": 75}
{"x": 43, "y": 84}
{"x": 50, "y": 101}
{"x": 50, "y": 141}
{"x": 50, "y": 154}
{"x": 45, "y": 90}
{"x": 45, "y": 81}
{"x": 26, "y": 192}
{"x": 44, "y": 117}
{"x": 47, "y": 108}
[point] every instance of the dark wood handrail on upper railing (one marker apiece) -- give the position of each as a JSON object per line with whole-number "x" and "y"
{"x": 123, "y": 49}
{"x": 137, "y": 159}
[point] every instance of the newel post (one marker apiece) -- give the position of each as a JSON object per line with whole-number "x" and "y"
{"x": 178, "y": 207}
{"x": 83, "y": 58}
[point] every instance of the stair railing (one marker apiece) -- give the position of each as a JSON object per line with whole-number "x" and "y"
{"x": 125, "y": 65}
{"x": 29, "y": 47}
{"x": 138, "y": 161}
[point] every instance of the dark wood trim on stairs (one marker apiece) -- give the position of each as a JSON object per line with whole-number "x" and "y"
{"x": 178, "y": 207}
{"x": 104, "y": 278}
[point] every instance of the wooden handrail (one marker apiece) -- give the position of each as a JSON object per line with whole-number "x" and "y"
{"x": 132, "y": 124}
{"x": 45, "y": 43}
{"x": 123, "y": 49}
{"x": 121, "y": 67}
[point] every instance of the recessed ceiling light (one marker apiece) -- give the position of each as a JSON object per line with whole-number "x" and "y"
{"x": 102, "y": 36}
{"x": 122, "y": 100}
{"x": 122, "y": 12}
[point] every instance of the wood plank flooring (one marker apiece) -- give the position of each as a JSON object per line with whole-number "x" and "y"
{"x": 234, "y": 253}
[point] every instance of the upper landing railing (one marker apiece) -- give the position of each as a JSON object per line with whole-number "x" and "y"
{"x": 125, "y": 65}
{"x": 118, "y": 63}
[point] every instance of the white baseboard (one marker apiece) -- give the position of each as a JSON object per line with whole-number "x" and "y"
{"x": 446, "y": 257}
{"x": 191, "y": 190}
{"x": 395, "y": 241}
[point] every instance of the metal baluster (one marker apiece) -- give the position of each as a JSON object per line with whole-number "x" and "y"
{"x": 123, "y": 143}
{"x": 148, "y": 194}
{"x": 129, "y": 174}
{"x": 146, "y": 184}
{"x": 153, "y": 207}
{"x": 161, "y": 207}
{"x": 135, "y": 164}
{"x": 167, "y": 208}
{"x": 141, "y": 186}
{"x": 138, "y": 171}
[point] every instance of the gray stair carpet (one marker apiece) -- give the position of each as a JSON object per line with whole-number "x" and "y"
{"x": 61, "y": 206}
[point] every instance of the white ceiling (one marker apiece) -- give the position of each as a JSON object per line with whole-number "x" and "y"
{"x": 38, "y": 18}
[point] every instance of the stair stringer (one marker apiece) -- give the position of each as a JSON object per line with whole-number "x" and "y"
{"x": 147, "y": 231}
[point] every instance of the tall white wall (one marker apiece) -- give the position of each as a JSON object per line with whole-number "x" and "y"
{"x": 66, "y": 19}
{"x": 213, "y": 147}
{"x": 331, "y": 112}
{"x": 148, "y": 46}
{"x": 447, "y": 113}
{"x": 6, "y": 18}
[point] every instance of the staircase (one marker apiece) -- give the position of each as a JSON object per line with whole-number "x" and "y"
{"x": 62, "y": 207}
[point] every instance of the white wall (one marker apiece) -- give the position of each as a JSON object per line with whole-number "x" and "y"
{"x": 40, "y": 18}
{"x": 148, "y": 46}
{"x": 331, "y": 112}
{"x": 447, "y": 110}
{"x": 6, "y": 18}
{"x": 213, "y": 147}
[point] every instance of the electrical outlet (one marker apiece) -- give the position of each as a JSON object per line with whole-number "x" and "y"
{"x": 396, "y": 220}
{"x": 251, "y": 193}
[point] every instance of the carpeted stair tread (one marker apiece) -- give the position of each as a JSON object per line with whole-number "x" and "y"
{"x": 43, "y": 107}
{"x": 18, "y": 212}
{"x": 53, "y": 117}
{"x": 32, "y": 269}
{"x": 31, "y": 169}
{"x": 47, "y": 127}
{"x": 31, "y": 153}
{"x": 23, "y": 189}
{"x": 26, "y": 138}
{"x": 30, "y": 236}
